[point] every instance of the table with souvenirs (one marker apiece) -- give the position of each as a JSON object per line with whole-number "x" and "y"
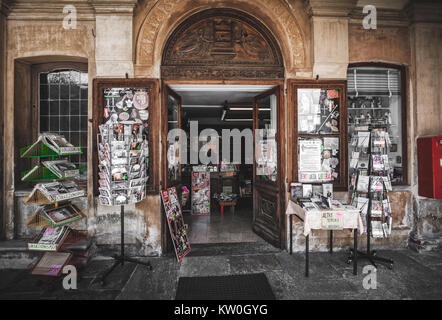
{"x": 337, "y": 216}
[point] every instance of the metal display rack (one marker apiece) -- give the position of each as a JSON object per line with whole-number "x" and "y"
{"x": 370, "y": 254}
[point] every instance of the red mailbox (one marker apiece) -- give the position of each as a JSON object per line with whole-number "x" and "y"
{"x": 429, "y": 162}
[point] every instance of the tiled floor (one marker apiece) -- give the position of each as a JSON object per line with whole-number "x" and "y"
{"x": 229, "y": 227}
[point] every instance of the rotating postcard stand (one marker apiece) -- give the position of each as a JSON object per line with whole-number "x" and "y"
{"x": 377, "y": 185}
{"x": 123, "y": 163}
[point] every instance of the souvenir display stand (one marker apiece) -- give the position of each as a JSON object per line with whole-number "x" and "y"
{"x": 177, "y": 228}
{"x": 371, "y": 178}
{"x": 123, "y": 155}
{"x": 323, "y": 214}
{"x": 200, "y": 190}
{"x": 55, "y": 211}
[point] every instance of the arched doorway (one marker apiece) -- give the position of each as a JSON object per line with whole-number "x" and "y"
{"x": 228, "y": 51}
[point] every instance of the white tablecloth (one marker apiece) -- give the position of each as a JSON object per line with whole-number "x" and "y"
{"x": 312, "y": 219}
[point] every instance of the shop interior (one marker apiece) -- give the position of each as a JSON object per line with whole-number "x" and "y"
{"x": 219, "y": 206}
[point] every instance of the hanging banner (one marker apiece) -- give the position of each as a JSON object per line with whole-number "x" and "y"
{"x": 177, "y": 228}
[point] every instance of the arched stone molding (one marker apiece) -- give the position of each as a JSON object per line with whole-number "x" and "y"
{"x": 286, "y": 20}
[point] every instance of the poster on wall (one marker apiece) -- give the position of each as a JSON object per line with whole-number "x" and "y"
{"x": 177, "y": 228}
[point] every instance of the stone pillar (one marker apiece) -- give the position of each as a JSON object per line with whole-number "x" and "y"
{"x": 113, "y": 43}
{"x": 3, "y": 13}
{"x": 425, "y": 17}
{"x": 330, "y": 37}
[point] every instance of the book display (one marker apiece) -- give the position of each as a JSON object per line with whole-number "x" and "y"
{"x": 177, "y": 228}
{"x": 200, "y": 191}
{"x": 55, "y": 211}
{"x": 370, "y": 181}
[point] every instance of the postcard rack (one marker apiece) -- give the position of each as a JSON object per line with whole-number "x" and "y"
{"x": 371, "y": 177}
{"x": 55, "y": 209}
{"x": 123, "y": 154}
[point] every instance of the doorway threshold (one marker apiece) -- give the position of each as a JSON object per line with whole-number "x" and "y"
{"x": 232, "y": 249}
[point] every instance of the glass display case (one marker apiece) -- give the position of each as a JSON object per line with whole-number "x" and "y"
{"x": 320, "y": 131}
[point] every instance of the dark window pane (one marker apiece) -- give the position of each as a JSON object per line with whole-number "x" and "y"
{"x": 54, "y": 91}
{"x": 83, "y": 123}
{"x": 75, "y": 92}
{"x": 64, "y": 107}
{"x": 64, "y": 123}
{"x": 53, "y": 108}
{"x": 75, "y": 107}
{"x": 83, "y": 139}
{"x": 44, "y": 123}
{"x": 44, "y": 108}
{"x": 44, "y": 92}
{"x": 84, "y": 92}
{"x": 54, "y": 124}
{"x": 64, "y": 92}
{"x": 75, "y": 139}
{"x": 84, "y": 107}
{"x": 43, "y": 78}
{"x": 75, "y": 123}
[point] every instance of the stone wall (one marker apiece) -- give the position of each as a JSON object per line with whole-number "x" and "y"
{"x": 426, "y": 52}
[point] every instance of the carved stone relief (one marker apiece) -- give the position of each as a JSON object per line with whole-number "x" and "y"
{"x": 221, "y": 44}
{"x": 286, "y": 27}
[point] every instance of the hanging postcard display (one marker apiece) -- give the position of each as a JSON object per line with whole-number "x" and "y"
{"x": 177, "y": 228}
{"x": 123, "y": 149}
{"x": 200, "y": 190}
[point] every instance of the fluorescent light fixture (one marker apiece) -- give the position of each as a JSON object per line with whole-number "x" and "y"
{"x": 238, "y": 120}
{"x": 223, "y": 115}
{"x": 203, "y": 106}
{"x": 247, "y": 109}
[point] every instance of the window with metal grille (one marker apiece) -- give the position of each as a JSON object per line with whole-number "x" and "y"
{"x": 64, "y": 109}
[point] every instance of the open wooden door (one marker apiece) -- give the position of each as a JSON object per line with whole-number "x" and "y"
{"x": 171, "y": 167}
{"x": 268, "y": 221}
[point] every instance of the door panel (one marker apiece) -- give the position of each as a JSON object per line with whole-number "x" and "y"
{"x": 266, "y": 192}
{"x": 172, "y": 120}
{"x": 171, "y": 177}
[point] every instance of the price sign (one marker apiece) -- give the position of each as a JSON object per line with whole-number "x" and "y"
{"x": 332, "y": 220}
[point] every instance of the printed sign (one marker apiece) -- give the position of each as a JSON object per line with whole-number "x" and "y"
{"x": 332, "y": 220}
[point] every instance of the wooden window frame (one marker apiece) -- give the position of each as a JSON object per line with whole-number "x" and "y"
{"x": 97, "y": 118}
{"x": 293, "y": 85}
{"x": 404, "y": 77}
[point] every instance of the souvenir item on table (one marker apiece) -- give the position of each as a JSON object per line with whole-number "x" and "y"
{"x": 307, "y": 190}
{"x": 175, "y": 221}
{"x": 296, "y": 190}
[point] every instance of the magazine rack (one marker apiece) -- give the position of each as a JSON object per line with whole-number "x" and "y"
{"x": 370, "y": 254}
{"x": 51, "y": 202}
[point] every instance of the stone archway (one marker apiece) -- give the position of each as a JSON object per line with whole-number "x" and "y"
{"x": 287, "y": 21}
{"x": 221, "y": 44}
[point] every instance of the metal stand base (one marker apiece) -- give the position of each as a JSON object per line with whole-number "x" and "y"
{"x": 371, "y": 257}
{"x": 120, "y": 260}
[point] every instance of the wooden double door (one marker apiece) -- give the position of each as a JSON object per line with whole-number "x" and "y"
{"x": 268, "y": 165}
